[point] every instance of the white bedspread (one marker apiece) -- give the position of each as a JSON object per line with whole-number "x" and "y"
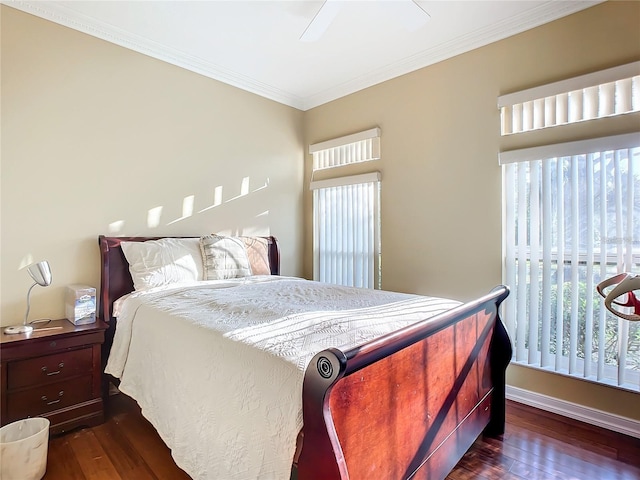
{"x": 217, "y": 367}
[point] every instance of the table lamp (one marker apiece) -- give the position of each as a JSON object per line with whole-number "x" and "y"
{"x": 41, "y": 274}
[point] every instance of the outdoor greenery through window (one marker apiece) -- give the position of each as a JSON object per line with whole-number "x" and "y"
{"x": 572, "y": 220}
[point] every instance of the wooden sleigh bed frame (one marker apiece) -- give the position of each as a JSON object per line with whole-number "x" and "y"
{"x": 406, "y": 405}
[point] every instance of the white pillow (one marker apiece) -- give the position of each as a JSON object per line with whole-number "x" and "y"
{"x": 155, "y": 263}
{"x": 224, "y": 257}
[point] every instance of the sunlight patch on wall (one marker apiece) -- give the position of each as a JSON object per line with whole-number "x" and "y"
{"x": 217, "y": 199}
{"x": 217, "y": 196}
{"x": 244, "y": 188}
{"x": 259, "y": 227}
{"x": 116, "y": 227}
{"x": 187, "y": 208}
{"x": 265, "y": 185}
{"x": 26, "y": 260}
{"x": 153, "y": 217}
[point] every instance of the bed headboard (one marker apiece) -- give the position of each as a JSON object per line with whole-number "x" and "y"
{"x": 115, "y": 279}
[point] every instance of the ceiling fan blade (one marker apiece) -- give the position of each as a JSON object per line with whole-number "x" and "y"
{"x": 321, "y": 21}
{"x": 411, "y": 15}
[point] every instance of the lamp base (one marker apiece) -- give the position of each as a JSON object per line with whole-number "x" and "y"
{"x": 18, "y": 329}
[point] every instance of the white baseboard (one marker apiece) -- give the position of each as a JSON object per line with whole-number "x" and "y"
{"x": 575, "y": 411}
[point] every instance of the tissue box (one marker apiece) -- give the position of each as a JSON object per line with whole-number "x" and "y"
{"x": 80, "y": 304}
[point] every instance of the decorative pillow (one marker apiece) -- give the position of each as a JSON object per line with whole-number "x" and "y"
{"x": 224, "y": 257}
{"x": 258, "y": 252}
{"x": 155, "y": 263}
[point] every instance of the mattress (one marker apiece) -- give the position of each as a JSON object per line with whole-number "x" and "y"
{"x": 217, "y": 367}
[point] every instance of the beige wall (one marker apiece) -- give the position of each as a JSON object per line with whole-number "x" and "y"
{"x": 441, "y": 187}
{"x": 95, "y": 135}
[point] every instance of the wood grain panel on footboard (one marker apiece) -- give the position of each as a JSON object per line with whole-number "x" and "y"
{"x": 410, "y": 404}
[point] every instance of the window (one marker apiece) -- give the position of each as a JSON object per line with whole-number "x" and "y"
{"x": 572, "y": 219}
{"x": 346, "y": 213}
{"x": 607, "y": 93}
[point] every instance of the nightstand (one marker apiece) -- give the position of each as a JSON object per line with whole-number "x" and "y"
{"x": 54, "y": 373}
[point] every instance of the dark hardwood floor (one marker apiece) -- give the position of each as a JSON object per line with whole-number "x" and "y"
{"x": 537, "y": 445}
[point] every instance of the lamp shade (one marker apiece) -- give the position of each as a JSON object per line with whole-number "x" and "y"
{"x": 41, "y": 273}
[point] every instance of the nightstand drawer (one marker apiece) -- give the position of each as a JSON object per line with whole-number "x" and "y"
{"x": 49, "y": 368}
{"x": 54, "y": 372}
{"x": 47, "y": 398}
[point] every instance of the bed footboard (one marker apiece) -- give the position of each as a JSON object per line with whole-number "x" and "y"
{"x": 409, "y": 404}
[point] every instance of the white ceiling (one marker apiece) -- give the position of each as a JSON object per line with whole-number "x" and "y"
{"x": 256, "y": 46}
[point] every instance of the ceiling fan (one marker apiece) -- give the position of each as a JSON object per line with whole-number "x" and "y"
{"x": 408, "y": 12}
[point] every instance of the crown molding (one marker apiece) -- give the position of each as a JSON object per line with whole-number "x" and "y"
{"x": 57, "y": 13}
{"x": 535, "y": 17}
{"x": 67, "y": 17}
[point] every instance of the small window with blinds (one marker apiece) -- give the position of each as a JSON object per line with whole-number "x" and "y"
{"x": 346, "y": 213}
{"x": 355, "y": 148}
{"x": 611, "y": 92}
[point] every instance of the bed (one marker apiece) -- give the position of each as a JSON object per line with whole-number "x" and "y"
{"x": 407, "y": 403}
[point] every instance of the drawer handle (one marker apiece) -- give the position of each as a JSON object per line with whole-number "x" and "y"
{"x": 52, "y": 402}
{"x": 60, "y": 366}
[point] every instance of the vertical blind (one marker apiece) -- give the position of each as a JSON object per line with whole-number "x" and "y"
{"x": 615, "y": 91}
{"x": 346, "y": 226}
{"x": 346, "y": 213}
{"x": 572, "y": 220}
{"x": 355, "y": 148}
